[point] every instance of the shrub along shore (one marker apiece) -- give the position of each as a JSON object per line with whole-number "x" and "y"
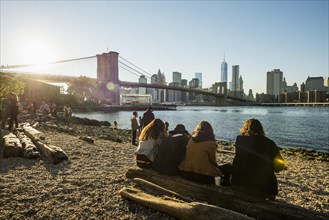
{"x": 87, "y": 184}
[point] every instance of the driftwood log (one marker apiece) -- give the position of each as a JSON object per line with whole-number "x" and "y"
{"x": 180, "y": 209}
{"x": 12, "y": 147}
{"x": 51, "y": 152}
{"x": 226, "y": 197}
{"x": 29, "y": 149}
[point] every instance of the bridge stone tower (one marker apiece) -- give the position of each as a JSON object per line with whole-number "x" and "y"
{"x": 221, "y": 88}
{"x": 108, "y": 76}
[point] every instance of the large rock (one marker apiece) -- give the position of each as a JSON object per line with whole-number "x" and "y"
{"x": 12, "y": 147}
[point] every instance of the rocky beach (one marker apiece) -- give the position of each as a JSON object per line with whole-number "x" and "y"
{"x": 86, "y": 186}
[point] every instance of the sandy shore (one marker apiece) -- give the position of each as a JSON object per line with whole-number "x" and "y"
{"x": 86, "y": 186}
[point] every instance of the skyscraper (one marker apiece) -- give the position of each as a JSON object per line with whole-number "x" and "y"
{"x": 177, "y": 81}
{"x": 274, "y": 82}
{"x": 235, "y": 78}
{"x": 142, "y": 90}
{"x": 177, "y": 77}
{"x": 223, "y": 71}
{"x": 199, "y": 77}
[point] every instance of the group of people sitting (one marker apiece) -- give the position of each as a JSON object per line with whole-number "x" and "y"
{"x": 193, "y": 156}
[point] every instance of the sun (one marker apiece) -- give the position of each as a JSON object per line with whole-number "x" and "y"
{"x": 38, "y": 52}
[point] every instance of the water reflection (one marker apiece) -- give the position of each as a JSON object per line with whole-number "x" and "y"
{"x": 287, "y": 126}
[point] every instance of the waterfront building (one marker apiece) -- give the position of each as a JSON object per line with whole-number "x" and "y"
{"x": 142, "y": 90}
{"x": 173, "y": 95}
{"x": 315, "y": 83}
{"x": 135, "y": 99}
{"x": 177, "y": 81}
{"x": 154, "y": 92}
{"x": 286, "y": 88}
{"x": 199, "y": 77}
{"x": 223, "y": 71}
{"x": 184, "y": 95}
{"x": 235, "y": 78}
{"x": 240, "y": 89}
{"x": 264, "y": 98}
{"x": 274, "y": 82}
{"x": 158, "y": 95}
{"x": 250, "y": 95}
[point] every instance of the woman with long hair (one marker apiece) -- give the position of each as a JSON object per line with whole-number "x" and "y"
{"x": 200, "y": 163}
{"x": 256, "y": 159}
{"x": 150, "y": 137}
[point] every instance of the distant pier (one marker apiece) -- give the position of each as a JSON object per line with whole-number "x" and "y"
{"x": 306, "y": 104}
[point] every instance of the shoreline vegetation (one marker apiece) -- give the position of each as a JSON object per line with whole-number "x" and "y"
{"x": 87, "y": 185}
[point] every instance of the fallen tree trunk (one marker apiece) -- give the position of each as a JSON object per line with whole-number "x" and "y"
{"x": 12, "y": 147}
{"x": 179, "y": 209}
{"x": 158, "y": 190}
{"x": 51, "y": 152}
{"x": 29, "y": 149}
{"x": 226, "y": 197}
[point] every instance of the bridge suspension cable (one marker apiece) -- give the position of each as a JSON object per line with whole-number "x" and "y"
{"x": 139, "y": 69}
{"x": 54, "y": 62}
{"x": 135, "y": 66}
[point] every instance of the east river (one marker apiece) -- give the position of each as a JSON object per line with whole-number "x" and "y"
{"x": 294, "y": 127}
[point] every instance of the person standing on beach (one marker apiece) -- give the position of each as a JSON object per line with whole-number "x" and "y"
{"x": 256, "y": 159}
{"x": 134, "y": 127}
{"x": 5, "y": 110}
{"x": 14, "y": 110}
{"x": 148, "y": 116}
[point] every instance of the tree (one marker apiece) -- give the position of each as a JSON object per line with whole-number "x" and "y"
{"x": 10, "y": 83}
{"x": 84, "y": 87}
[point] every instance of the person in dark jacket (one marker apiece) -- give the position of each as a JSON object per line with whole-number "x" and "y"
{"x": 134, "y": 127}
{"x": 256, "y": 159}
{"x": 5, "y": 110}
{"x": 148, "y": 116}
{"x": 13, "y": 112}
{"x": 171, "y": 151}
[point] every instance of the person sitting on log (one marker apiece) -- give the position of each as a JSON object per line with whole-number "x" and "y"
{"x": 256, "y": 159}
{"x": 200, "y": 163}
{"x": 149, "y": 140}
{"x": 171, "y": 151}
{"x": 44, "y": 108}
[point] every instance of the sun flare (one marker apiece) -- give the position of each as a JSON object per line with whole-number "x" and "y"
{"x": 38, "y": 53}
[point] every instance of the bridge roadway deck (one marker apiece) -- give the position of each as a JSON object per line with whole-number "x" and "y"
{"x": 199, "y": 91}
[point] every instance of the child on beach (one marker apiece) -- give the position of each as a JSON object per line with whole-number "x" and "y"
{"x": 256, "y": 159}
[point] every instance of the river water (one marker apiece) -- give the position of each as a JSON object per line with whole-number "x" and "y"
{"x": 295, "y": 127}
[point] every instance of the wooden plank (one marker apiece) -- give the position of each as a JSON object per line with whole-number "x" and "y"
{"x": 226, "y": 197}
{"x": 180, "y": 209}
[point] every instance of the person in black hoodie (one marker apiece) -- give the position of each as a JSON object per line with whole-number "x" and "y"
{"x": 148, "y": 116}
{"x": 256, "y": 159}
{"x": 171, "y": 151}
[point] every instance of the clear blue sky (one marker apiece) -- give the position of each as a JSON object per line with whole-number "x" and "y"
{"x": 184, "y": 36}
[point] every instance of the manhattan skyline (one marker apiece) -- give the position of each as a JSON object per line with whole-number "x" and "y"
{"x": 184, "y": 36}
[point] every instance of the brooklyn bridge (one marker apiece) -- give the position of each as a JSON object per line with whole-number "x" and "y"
{"x": 108, "y": 73}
